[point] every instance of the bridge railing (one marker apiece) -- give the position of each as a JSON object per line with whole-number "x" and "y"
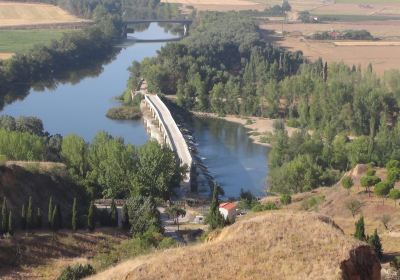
{"x": 162, "y": 122}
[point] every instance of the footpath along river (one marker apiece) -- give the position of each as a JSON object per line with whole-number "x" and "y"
{"x": 80, "y": 106}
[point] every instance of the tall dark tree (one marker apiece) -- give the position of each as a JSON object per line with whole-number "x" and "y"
{"x": 214, "y": 217}
{"x": 125, "y": 217}
{"x": 4, "y": 216}
{"x": 91, "y": 223}
{"x": 30, "y": 215}
{"x": 38, "y": 220}
{"x": 375, "y": 242}
{"x": 114, "y": 214}
{"x": 23, "y": 217}
{"x": 74, "y": 222}
{"x": 10, "y": 223}
{"x": 325, "y": 72}
{"x": 56, "y": 220}
{"x": 360, "y": 229}
{"x": 50, "y": 212}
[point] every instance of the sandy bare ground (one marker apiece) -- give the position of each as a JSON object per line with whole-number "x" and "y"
{"x": 365, "y": 43}
{"x": 357, "y": 9}
{"x": 219, "y": 5}
{"x": 5, "y": 55}
{"x": 22, "y": 14}
{"x": 258, "y": 127}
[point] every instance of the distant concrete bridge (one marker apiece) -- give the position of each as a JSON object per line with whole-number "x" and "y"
{"x": 171, "y": 134}
{"x": 186, "y": 22}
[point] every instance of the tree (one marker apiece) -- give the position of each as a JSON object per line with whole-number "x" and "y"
{"x": 56, "y": 220}
{"x": 375, "y": 242}
{"x": 23, "y": 217}
{"x": 125, "y": 217}
{"x": 114, "y": 214}
{"x": 38, "y": 220}
{"x": 395, "y": 195}
{"x": 369, "y": 181}
{"x": 74, "y": 152}
{"x": 360, "y": 229}
{"x": 354, "y": 206}
{"x": 74, "y": 222}
{"x": 382, "y": 189}
{"x": 214, "y": 217}
{"x": 347, "y": 182}
{"x": 4, "y": 216}
{"x": 29, "y": 215}
{"x": 175, "y": 212}
{"x": 143, "y": 215}
{"x": 50, "y": 212}
{"x": 286, "y": 6}
{"x": 10, "y": 223}
{"x": 91, "y": 217}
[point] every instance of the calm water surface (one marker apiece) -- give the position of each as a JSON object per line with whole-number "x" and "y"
{"x": 80, "y": 108}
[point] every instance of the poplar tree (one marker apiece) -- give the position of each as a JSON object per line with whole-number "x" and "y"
{"x": 29, "y": 215}
{"x": 375, "y": 242}
{"x": 38, "y": 222}
{"x": 74, "y": 222}
{"x": 214, "y": 218}
{"x": 50, "y": 212}
{"x": 91, "y": 223}
{"x": 360, "y": 229}
{"x": 4, "y": 216}
{"x": 125, "y": 217}
{"x": 23, "y": 217}
{"x": 10, "y": 223}
{"x": 114, "y": 214}
{"x": 56, "y": 218}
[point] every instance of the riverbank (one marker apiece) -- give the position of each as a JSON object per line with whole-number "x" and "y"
{"x": 260, "y": 129}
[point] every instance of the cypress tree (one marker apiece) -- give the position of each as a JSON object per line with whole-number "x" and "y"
{"x": 125, "y": 217}
{"x": 38, "y": 222}
{"x": 360, "y": 229}
{"x": 4, "y": 216}
{"x": 50, "y": 212}
{"x": 325, "y": 73}
{"x": 29, "y": 215}
{"x": 10, "y": 223}
{"x": 55, "y": 220}
{"x": 74, "y": 222}
{"x": 214, "y": 218}
{"x": 91, "y": 217}
{"x": 375, "y": 242}
{"x": 23, "y": 217}
{"x": 114, "y": 214}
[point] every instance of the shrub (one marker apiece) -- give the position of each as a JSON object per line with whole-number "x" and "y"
{"x": 371, "y": 172}
{"x": 347, "y": 182}
{"x": 76, "y": 272}
{"x": 286, "y": 199}
{"x": 392, "y": 164}
{"x": 293, "y": 123}
{"x": 312, "y": 202}
{"x": 264, "y": 207}
{"x": 124, "y": 113}
{"x": 393, "y": 174}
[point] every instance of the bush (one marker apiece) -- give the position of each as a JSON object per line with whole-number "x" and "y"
{"x": 347, "y": 182}
{"x": 393, "y": 174}
{"x": 371, "y": 172}
{"x": 76, "y": 272}
{"x": 293, "y": 123}
{"x": 124, "y": 113}
{"x": 392, "y": 164}
{"x": 286, "y": 199}
{"x": 264, "y": 207}
{"x": 312, "y": 202}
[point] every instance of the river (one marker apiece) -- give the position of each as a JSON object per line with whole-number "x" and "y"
{"x": 80, "y": 108}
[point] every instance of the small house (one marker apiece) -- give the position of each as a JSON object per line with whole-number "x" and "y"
{"x": 228, "y": 210}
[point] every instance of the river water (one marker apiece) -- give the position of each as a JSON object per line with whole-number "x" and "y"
{"x": 80, "y": 108}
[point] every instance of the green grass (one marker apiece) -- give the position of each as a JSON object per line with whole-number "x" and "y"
{"x": 13, "y": 41}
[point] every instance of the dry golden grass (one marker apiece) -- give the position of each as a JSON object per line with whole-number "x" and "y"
{"x": 274, "y": 245}
{"x": 6, "y": 55}
{"x": 21, "y": 14}
{"x": 365, "y": 43}
{"x": 219, "y": 5}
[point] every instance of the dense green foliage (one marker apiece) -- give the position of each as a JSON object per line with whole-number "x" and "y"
{"x": 347, "y": 182}
{"x": 375, "y": 242}
{"x": 74, "y": 221}
{"x": 264, "y": 207}
{"x": 343, "y": 35}
{"x": 76, "y": 272}
{"x": 91, "y": 217}
{"x": 214, "y": 218}
{"x": 286, "y": 199}
{"x": 360, "y": 229}
{"x": 143, "y": 215}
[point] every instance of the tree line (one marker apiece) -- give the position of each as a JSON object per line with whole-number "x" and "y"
{"x": 226, "y": 67}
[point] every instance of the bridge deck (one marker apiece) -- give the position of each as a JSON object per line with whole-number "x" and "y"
{"x": 177, "y": 140}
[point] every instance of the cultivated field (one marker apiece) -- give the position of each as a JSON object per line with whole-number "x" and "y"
{"x": 22, "y": 14}
{"x": 219, "y": 5}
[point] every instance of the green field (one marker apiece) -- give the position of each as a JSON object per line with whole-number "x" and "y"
{"x": 13, "y": 41}
{"x": 368, "y": 1}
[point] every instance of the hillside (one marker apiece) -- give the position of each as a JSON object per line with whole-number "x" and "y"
{"x": 274, "y": 245}
{"x": 40, "y": 181}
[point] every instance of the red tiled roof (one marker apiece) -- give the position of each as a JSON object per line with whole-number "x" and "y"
{"x": 228, "y": 205}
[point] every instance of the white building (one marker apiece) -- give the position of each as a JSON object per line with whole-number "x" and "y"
{"x": 228, "y": 210}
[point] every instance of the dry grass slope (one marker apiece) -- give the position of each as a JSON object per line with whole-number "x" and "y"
{"x": 275, "y": 245}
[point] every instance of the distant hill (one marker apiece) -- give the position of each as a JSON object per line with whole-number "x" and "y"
{"x": 274, "y": 245}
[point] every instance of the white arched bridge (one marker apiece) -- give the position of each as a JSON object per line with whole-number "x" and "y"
{"x": 171, "y": 134}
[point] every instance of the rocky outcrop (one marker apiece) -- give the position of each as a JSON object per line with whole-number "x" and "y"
{"x": 362, "y": 265}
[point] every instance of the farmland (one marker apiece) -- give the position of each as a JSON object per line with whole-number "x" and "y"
{"x": 13, "y": 14}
